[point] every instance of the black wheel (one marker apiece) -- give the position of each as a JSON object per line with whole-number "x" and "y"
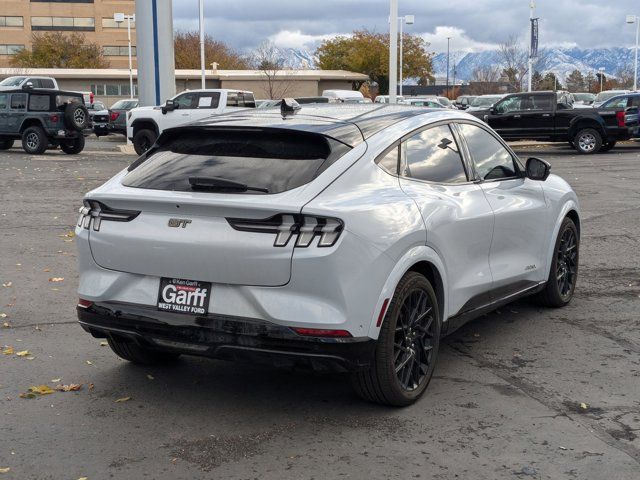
{"x": 564, "y": 267}
{"x": 76, "y": 116}
{"x": 607, "y": 146}
{"x": 407, "y": 347}
{"x": 143, "y": 140}
{"x": 6, "y": 144}
{"x": 588, "y": 141}
{"x": 135, "y": 353}
{"x": 34, "y": 141}
{"x": 74, "y": 146}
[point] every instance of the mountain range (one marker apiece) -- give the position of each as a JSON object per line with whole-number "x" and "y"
{"x": 560, "y": 61}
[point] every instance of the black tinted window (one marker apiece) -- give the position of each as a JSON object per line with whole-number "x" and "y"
{"x": 273, "y": 160}
{"x": 3, "y": 101}
{"x": 492, "y": 160}
{"x": 19, "y": 101}
{"x": 433, "y": 155}
{"x": 46, "y": 83}
{"x": 39, "y": 103}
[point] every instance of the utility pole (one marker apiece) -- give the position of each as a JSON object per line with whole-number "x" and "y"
{"x": 448, "y": 45}
{"x": 393, "y": 51}
{"x": 532, "y": 6}
{"x": 202, "y": 63}
{"x": 635, "y": 19}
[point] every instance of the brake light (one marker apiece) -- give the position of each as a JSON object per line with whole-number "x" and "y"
{"x": 97, "y": 211}
{"x": 82, "y": 303}
{"x": 54, "y": 118}
{"x": 317, "y": 332}
{"x": 287, "y": 226}
{"x": 113, "y": 116}
{"x": 621, "y": 119}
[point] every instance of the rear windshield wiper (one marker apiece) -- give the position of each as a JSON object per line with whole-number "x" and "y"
{"x": 222, "y": 184}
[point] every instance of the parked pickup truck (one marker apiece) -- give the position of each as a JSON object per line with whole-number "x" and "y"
{"x": 145, "y": 124}
{"x": 549, "y": 116}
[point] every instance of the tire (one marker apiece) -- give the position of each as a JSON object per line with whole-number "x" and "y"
{"x": 6, "y": 144}
{"x": 607, "y": 146}
{"x": 564, "y": 268}
{"x": 74, "y": 146}
{"x": 34, "y": 141}
{"x": 588, "y": 141}
{"x": 135, "y": 353}
{"x": 143, "y": 140}
{"x": 76, "y": 116}
{"x": 380, "y": 383}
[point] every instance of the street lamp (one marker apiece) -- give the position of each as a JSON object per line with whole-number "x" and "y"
{"x": 393, "y": 50}
{"x": 409, "y": 20}
{"x": 119, "y": 18}
{"x": 631, "y": 19}
{"x": 448, "y": 45}
{"x": 601, "y": 70}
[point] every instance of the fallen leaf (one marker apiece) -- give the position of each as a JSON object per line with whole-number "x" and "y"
{"x": 7, "y": 350}
{"x": 56, "y": 279}
{"x": 5, "y": 470}
{"x": 23, "y": 353}
{"x": 30, "y": 358}
{"x": 18, "y": 264}
{"x": 28, "y": 395}
{"x": 104, "y": 344}
{"x": 123, "y": 399}
{"x": 7, "y": 285}
{"x": 90, "y": 386}
{"x": 584, "y": 406}
{"x": 83, "y": 478}
{"x": 41, "y": 390}
{"x": 46, "y": 270}
{"x": 72, "y": 387}
{"x": 6, "y": 325}
{"x": 55, "y": 380}
{"x": 89, "y": 363}
{"x": 3, "y": 315}
{"x": 150, "y": 377}
{"x": 69, "y": 234}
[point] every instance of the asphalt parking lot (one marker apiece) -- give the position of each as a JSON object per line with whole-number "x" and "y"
{"x": 523, "y": 392}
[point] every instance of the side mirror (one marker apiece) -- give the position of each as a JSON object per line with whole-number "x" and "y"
{"x": 169, "y": 106}
{"x": 537, "y": 169}
{"x": 493, "y": 111}
{"x": 27, "y": 86}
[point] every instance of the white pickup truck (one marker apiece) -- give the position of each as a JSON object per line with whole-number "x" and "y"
{"x": 145, "y": 124}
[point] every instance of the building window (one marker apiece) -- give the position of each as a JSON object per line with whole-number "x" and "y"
{"x": 111, "y": 23}
{"x": 118, "y": 51}
{"x": 63, "y": 23}
{"x": 113, "y": 90}
{"x": 11, "y": 22}
{"x": 10, "y": 49}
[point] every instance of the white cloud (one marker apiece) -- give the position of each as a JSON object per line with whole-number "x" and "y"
{"x": 297, "y": 39}
{"x": 460, "y": 41}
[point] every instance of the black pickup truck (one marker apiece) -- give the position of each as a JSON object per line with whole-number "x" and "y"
{"x": 549, "y": 116}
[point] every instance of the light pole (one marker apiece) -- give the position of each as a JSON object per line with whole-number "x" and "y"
{"x": 448, "y": 45}
{"x": 202, "y": 73}
{"x": 393, "y": 50}
{"x": 635, "y": 19}
{"x": 532, "y": 6}
{"x": 409, "y": 20}
{"x": 601, "y": 70}
{"x": 119, "y": 18}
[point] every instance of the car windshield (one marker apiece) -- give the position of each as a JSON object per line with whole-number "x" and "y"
{"x": 444, "y": 101}
{"x": 12, "y": 81}
{"x": 603, "y": 96}
{"x": 125, "y": 105}
{"x": 484, "y": 101}
{"x": 584, "y": 97}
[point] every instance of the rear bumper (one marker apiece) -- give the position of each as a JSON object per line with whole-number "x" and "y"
{"x": 224, "y": 337}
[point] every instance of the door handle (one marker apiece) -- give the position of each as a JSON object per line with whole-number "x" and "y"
{"x": 546, "y": 114}
{"x": 517, "y": 116}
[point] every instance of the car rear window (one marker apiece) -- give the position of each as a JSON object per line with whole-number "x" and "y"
{"x": 266, "y": 159}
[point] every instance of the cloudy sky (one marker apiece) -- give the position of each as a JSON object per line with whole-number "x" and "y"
{"x": 473, "y": 24}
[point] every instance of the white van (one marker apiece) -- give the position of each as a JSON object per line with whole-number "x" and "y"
{"x": 344, "y": 96}
{"x": 385, "y": 99}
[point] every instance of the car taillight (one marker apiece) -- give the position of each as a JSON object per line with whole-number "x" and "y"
{"x": 54, "y": 118}
{"x": 113, "y": 116}
{"x": 82, "y": 303}
{"x": 317, "y": 332}
{"x": 621, "y": 116}
{"x": 97, "y": 211}
{"x": 287, "y": 226}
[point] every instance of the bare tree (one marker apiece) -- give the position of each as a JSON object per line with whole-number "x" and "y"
{"x": 276, "y": 74}
{"x": 624, "y": 77}
{"x": 484, "y": 80}
{"x": 515, "y": 61}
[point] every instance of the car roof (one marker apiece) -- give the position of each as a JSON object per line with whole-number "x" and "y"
{"x": 49, "y": 91}
{"x": 348, "y": 123}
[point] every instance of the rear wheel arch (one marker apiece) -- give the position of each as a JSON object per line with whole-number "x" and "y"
{"x": 583, "y": 123}
{"x": 573, "y": 215}
{"x": 431, "y": 273}
{"x": 31, "y": 122}
{"x": 145, "y": 124}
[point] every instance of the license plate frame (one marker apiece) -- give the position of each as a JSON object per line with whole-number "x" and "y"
{"x": 190, "y": 297}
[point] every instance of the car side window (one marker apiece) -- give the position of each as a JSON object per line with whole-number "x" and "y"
{"x": 635, "y": 101}
{"x": 3, "y": 101}
{"x": 491, "y": 159}
{"x": 47, "y": 83}
{"x": 389, "y": 161}
{"x": 433, "y": 155}
{"x": 512, "y": 104}
{"x": 619, "y": 103}
{"x": 39, "y": 103}
{"x": 18, "y": 101}
{"x": 209, "y": 100}
{"x": 187, "y": 100}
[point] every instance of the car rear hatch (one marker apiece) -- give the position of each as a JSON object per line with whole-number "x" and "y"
{"x": 211, "y": 205}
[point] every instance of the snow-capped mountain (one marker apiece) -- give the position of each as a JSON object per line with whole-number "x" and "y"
{"x": 296, "y": 58}
{"x": 560, "y": 61}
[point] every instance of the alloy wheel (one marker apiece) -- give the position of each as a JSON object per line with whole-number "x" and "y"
{"x": 33, "y": 141}
{"x": 414, "y": 340}
{"x": 566, "y": 262}
{"x": 587, "y": 142}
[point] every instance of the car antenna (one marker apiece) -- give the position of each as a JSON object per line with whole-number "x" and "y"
{"x": 288, "y": 106}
